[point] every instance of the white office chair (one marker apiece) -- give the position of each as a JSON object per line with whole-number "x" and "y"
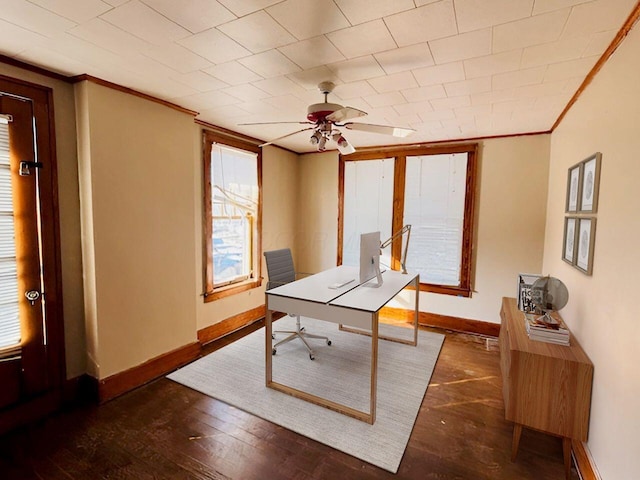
{"x": 281, "y": 271}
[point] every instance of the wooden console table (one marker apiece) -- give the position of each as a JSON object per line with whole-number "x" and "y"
{"x": 546, "y": 387}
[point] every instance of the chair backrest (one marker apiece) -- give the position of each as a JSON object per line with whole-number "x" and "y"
{"x": 279, "y": 267}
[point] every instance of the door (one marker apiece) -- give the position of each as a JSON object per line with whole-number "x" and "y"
{"x": 31, "y": 343}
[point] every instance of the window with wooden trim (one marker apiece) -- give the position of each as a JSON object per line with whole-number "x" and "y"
{"x": 432, "y": 189}
{"x": 232, "y": 215}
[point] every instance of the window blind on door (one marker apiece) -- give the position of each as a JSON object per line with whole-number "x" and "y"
{"x": 9, "y": 317}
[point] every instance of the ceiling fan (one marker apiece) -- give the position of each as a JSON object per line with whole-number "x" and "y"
{"x": 325, "y": 119}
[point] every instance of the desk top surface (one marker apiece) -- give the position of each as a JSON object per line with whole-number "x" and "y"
{"x": 367, "y": 297}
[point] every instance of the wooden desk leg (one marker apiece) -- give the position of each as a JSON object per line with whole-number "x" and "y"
{"x": 517, "y": 432}
{"x": 566, "y": 453}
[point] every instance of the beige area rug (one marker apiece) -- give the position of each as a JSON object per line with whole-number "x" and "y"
{"x": 235, "y": 374}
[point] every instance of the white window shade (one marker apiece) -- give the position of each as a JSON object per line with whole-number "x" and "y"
{"x": 9, "y": 317}
{"x": 368, "y": 206}
{"x": 434, "y": 205}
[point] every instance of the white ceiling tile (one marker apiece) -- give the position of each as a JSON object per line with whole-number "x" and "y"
{"x": 451, "y": 102}
{"x": 436, "y": 20}
{"x": 233, "y": 73}
{"x": 544, "y": 6}
{"x": 361, "y": 11}
{"x": 467, "y": 87}
{"x": 245, "y": 93}
{"x": 405, "y": 58}
{"x": 357, "y": 69}
{"x": 51, "y": 60}
{"x": 461, "y": 47}
{"x": 384, "y": 99}
{"x": 34, "y": 18}
{"x": 101, "y": 33}
{"x": 477, "y": 14}
{"x": 197, "y": 16}
{"x": 531, "y": 31}
{"x": 599, "y": 42}
{"x": 370, "y": 37}
{"x": 279, "y": 86}
{"x": 540, "y": 89}
{"x": 215, "y": 46}
{"x": 116, "y": 3}
{"x": 393, "y": 83}
{"x": 244, "y": 7}
{"x": 415, "y": 108}
{"x": 472, "y": 111}
{"x": 494, "y": 96}
{"x": 437, "y": 115}
{"x": 257, "y": 32}
{"x": 450, "y": 72}
{"x": 573, "y": 68}
{"x": 200, "y": 81}
{"x": 512, "y": 105}
{"x": 347, "y": 91}
{"x": 597, "y": 16}
{"x": 529, "y": 76}
{"x": 289, "y": 103}
{"x": 492, "y": 64}
{"x": 312, "y": 52}
{"x": 269, "y": 64}
{"x": 308, "y": 18}
{"x": 206, "y": 100}
{"x": 262, "y": 112}
{"x": 16, "y": 39}
{"x": 553, "y": 52}
{"x": 310, "y": 79}
{"x": 178, "y": 57}
{"x": 420, "y": 94}
{"x": 73, "y": 10}
{"x": 144, "y": 22}
{"x": 227, "y": 111}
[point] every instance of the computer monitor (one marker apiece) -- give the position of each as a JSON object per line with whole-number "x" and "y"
{"x": 370, "y": 258}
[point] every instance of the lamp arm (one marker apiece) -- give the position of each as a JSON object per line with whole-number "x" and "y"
{"x": 406, "y": 229}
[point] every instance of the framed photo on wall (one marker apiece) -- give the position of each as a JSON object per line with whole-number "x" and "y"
{"x": 574, "y": 184}
{"x": 590, "y": 183}
{"x": 569, "y": 252}
{"x": 585, "y": 244}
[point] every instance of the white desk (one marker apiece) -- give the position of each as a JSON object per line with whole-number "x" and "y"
{"x": 353, "y": 305}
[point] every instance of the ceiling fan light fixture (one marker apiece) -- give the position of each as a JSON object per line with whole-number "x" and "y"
{"x": 321, "y": 144}
{"x": 315, "y": 138}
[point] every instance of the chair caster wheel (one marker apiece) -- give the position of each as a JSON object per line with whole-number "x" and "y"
{"x": 328, "y": 342}
{"x": 273, "y": 352}
{"x": 311, "y": 356}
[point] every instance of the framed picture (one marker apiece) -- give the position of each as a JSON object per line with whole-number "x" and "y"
{"x": 525, "y": 282}
{"x": 590, "y": 183}
{"x": 569, "y": 252}
{"x": 574, "y": 184}
{"x": 585, "y": 242}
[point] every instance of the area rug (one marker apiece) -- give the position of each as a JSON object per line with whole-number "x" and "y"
{"x": 340, "y": 372}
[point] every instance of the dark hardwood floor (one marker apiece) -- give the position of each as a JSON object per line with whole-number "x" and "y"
{"x": 165, "y": 430}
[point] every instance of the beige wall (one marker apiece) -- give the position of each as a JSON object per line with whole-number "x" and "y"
{"x": 510, "y": 206}
{"x": 71, "y": 256}
{"x": 137, "y": 201}
{"x": 602, "y": 313}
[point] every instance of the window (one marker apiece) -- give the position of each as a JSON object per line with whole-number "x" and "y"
{"x": 9, "y": 318}
{"x": 429, "y": 188}
{"x": 232, "y": 210}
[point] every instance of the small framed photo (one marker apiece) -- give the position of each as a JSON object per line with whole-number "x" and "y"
{"x": 585, "y": 244}
{"x": 569, "y": 252}
{"x": 590, "y": 183}
{"x": 574, "y": 185}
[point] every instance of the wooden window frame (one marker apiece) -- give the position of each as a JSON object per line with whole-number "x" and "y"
{"x": 399, "y": 155}
{"x": 212, "y": 293}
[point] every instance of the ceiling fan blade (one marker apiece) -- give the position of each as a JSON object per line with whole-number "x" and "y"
{"x": 277, "y": 123}
{"x": 383, "y": 129}
{"x": 284, "y": 136}
{"x": 345, "y": 113}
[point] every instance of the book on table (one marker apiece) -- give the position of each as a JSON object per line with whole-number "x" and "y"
{"x": 547, "y": 328}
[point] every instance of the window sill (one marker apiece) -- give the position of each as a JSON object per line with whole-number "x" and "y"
{"x": 446, "y": 290}
{"x": 229, "y": 290}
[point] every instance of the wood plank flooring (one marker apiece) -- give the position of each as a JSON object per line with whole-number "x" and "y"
{"x": 164, "y": 430}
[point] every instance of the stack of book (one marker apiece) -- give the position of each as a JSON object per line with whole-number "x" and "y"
{"x": 547, "y": 328}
